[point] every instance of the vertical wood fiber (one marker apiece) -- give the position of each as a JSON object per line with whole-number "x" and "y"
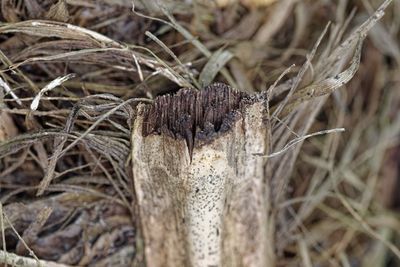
{"x": 205, "y": 203}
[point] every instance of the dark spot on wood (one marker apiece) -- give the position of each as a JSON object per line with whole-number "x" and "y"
{"x": 194, "y": 114}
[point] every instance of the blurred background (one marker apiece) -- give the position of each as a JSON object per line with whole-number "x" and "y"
{"x": 72, "y": 72}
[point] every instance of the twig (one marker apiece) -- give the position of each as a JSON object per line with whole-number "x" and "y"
{"x": 20, "y": 261}
{"x": 298, "y": 140}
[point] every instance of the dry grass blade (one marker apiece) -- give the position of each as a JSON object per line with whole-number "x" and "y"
{"x": 216, "y": 62}
{"x": 16, "y": 260}
{"x": 53, "y": 84}
{"x": 329, "y": 200}
{"x": 326, "y": 86}
{"x": 370, "y": 231}
{"x": 2, "y": 229}
{"x": 182, "y": 82}
{"x": 300, "y": 139}
{"x": 61, "y": 30}
{"x": 31, "y": 253}
{"x": 8, "y": 90}
{"x": 301, "y": 72}
{"x": 203, "y": 49}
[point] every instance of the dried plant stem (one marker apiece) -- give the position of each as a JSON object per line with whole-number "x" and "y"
{"x": 208, "y": 207}
{"x": 20, "y": 261}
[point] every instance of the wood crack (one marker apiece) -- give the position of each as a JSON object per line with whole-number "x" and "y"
{"x": 192, "y": 114}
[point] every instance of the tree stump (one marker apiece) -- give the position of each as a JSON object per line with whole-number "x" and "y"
{"x": 201, "y": 189}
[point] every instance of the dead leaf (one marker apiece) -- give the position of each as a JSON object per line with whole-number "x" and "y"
{"x": 58, "y": 12}
{"x": 7, "y": 126}
{"x": 247, "y": 3}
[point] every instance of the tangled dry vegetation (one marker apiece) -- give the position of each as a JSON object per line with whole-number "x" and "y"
{"x": 73, "y": 71}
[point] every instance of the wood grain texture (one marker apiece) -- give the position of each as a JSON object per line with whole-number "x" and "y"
{"x": 208, "y": 207}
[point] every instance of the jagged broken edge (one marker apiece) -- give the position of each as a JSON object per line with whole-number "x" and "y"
{"x": 195, "y": 114}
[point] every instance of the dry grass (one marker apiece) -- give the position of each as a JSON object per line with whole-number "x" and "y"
{"x": 73, "y": 71}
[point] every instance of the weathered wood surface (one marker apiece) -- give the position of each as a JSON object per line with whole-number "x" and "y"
{"x": 204, "y": 203}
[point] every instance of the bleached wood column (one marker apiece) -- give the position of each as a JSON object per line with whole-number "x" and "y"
{"x": 201, "y": 191}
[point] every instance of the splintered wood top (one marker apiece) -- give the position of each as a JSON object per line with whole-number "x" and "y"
{"x": 193, "y": 114}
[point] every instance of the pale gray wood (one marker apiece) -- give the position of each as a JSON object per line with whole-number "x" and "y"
{"x": 211, "y": 210}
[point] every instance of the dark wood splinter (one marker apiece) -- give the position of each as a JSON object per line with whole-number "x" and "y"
{"x": 193, "y": 114}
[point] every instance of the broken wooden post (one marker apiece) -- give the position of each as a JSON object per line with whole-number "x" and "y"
{"x": 202, "y": 193}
